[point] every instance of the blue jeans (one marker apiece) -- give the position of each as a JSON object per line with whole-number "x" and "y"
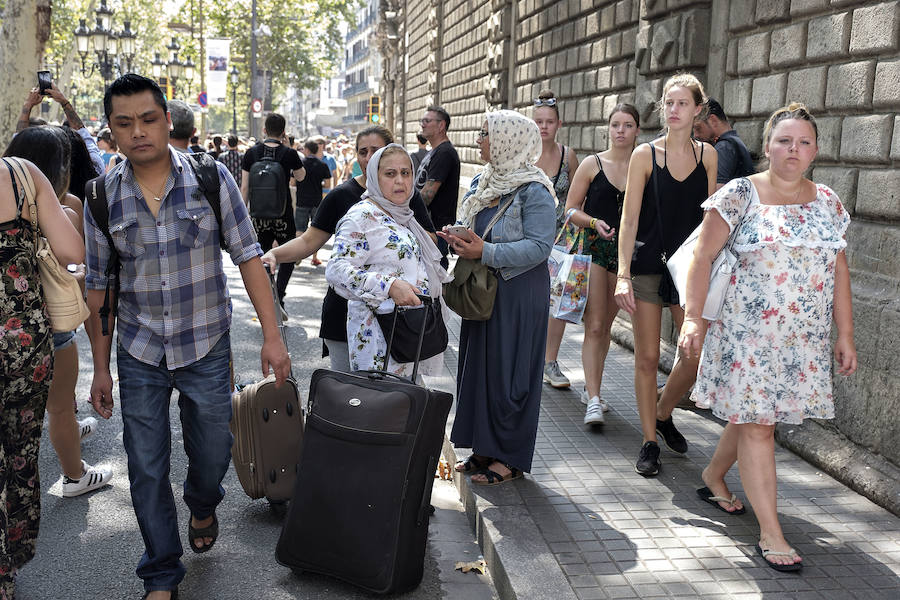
{"x": 205, "y": 402}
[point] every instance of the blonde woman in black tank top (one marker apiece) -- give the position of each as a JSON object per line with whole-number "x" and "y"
{"x": 595, "y": 200}
{"x": 681, "y": 164}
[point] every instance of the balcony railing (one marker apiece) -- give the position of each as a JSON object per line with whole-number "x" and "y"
{"x": 355, "y": 89}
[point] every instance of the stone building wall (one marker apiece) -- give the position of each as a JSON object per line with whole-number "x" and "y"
{"x": 840, "y": 57}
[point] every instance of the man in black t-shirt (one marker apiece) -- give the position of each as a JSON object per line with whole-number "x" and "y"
{"x": 280, "y": 230}
{"x": 437, "y": 178}
{"x": 734, "y": 158}
{"x": 309, "y": 191}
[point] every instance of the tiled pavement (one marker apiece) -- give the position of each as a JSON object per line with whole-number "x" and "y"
{"x": 584, "y": 525}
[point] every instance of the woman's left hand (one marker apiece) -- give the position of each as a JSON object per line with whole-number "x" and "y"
{"x": 471, "y": 248}
{"x": 845, "y": 354}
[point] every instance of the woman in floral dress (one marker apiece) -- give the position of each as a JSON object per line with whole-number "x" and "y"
{"x": 26, "y": 359}
{"x": 382, "y": 257}
{"x": 768, "y": 358}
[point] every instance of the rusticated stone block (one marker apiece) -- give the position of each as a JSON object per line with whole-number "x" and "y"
{"x": 737, "y": 97}
{"x": 768, "y": 94}
{"x": 768, "y": 11}
{"x": 829, "y": 137}
{"x": 620, "y": 74}
{"x": 805, "y": 7}
{"x": 578, "y": 83}
{"x": 664, "y": 44}
{"x": 607, "y": 18}
{"x": 693, "y": 48}
{"x": 609, "y": 103}
{"x": 829, "y": 36}
{"x": 598, "y": 51}
{"x": 741, "y": 15}
{"x": 878, "y": 195}
{"x": 866, "y": 139}
{"x": 642, "y": 47}
{"x": 753, "y": 53}
{"x": 842, "y": 180}
{"x": 895, "y": 144}
{"x": 850, "y": 85}
{"x": 751, "y": 133}
{"x": 613, "y": 46}
{"x": 583, "y": 110}
{"x": 874, "y": 29}
{"x": 623, "y": 12}
{"x": 646, "y": 98}
{"x": 653, "y": 8}
{"x": 592, "y": 24}
{"x": 596, "y": 109}
{"x": 808, "y": 86}
{"x": 601, "y": 139}
{"x": 587, "y": 138}
{"x": 628, "y": 43}
{"x": 604, "y": 77}
{"x": 887, "y": 84}
{"x": 731, "y": 59}
{"x": 788, "y": 45}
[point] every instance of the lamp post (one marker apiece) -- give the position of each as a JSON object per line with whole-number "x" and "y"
{"x": 114, "y": 50}
{"x": 234, "y": 81}
{"x": 174, "y": 66}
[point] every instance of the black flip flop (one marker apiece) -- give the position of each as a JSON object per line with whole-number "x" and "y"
{"x": 783, "y": 568}
{"x": 210, "y": 531}
{"x": 707, "y": 496}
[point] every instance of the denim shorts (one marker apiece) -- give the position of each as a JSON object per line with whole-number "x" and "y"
{"x": 63, "y": 340}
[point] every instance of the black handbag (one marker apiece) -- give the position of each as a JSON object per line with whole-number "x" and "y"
{"x": 407, "y": 340}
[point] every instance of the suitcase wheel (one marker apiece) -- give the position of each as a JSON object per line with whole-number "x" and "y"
{"x": 266, "y": 415}
{"x": 290, "y": 409}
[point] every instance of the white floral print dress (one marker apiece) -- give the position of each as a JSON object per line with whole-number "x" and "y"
{"x": 370, "y": 251}
{"x": 768, "y": 359}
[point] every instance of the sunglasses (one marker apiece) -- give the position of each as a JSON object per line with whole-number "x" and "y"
{"x": 481, "y": 135}
{"x": 545, "y": 101}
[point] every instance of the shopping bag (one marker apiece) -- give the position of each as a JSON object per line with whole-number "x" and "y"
{"x": 569, "y": 270}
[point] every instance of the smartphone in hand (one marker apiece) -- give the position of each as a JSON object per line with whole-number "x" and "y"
{"x": 459, "y": 231}
{"x": 45, "y": 81}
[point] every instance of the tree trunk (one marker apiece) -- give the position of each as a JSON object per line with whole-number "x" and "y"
{"x": 23, "y": 37}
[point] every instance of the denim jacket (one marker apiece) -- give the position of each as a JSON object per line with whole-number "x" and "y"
{"x": 523, "y": 237}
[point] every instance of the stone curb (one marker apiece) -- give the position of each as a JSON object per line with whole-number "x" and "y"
{"x": 520, "y": 561}
{"x": 861, "y": 470}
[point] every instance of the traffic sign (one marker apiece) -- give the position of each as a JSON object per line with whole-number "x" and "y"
{"x": 256, "y": 105}
{"x": 202, "y": 100}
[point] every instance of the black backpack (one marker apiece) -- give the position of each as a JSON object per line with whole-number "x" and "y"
{"x": 207, "y": 174}
{"x": 267, "y": 189}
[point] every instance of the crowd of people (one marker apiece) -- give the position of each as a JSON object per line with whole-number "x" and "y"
{"x": 155, "y": 238}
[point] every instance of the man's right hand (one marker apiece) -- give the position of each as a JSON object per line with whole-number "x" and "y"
{"x": 101, "y": 394}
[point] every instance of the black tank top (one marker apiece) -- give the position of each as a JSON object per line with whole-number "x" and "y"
{"x": 679, "y": 204}
{"x": 604, "y": 200}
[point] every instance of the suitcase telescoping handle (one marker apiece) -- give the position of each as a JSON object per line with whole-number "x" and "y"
{"x": 427, "y": 300}
{"x": 279, "y": 317}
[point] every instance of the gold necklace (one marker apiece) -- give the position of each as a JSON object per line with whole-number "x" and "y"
{"x": 156, "y": 197}
{"x": 796, "y": 196}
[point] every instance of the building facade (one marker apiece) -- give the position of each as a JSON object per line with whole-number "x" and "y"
{"x": 362, "y": 71}
{"x": 841, "y": 58}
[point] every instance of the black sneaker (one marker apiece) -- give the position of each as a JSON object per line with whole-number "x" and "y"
{"x": 648, "y": 460}
{"x": 674, "y": 440}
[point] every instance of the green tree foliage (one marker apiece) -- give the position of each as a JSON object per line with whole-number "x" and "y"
{"x": 302, "y": 43}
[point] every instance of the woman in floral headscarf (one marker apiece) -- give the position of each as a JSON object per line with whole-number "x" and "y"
{"x": 501, "y": 360}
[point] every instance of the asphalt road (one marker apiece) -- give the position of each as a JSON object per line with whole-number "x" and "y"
{"x": 89, "y": 546}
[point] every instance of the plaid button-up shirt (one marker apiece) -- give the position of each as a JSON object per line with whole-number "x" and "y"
{"x": 173, "y": 297}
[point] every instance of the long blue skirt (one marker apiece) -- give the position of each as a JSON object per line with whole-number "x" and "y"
{"x": 501, "y": 363}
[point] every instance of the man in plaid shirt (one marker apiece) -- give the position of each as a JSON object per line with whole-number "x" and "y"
{"x": 174, "y": 315}
{"x": 232, "y": 159}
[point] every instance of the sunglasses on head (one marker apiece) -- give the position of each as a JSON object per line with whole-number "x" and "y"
{"x": 545, "y": 101}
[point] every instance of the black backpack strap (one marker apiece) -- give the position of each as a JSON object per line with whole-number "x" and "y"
{"x": 95, "y": 194}
{"x": 207, "y": 174}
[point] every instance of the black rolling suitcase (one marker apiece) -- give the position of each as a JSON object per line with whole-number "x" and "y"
{"x": 362, "y": 499}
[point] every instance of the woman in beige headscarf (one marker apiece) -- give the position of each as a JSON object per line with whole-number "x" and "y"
{"x": 501, "y": 359}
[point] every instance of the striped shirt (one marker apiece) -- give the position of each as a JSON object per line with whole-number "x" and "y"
{"x": 232, "y": 160}
{"x": 173, "y": 297}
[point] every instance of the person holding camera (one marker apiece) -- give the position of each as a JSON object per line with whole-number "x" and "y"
{"x": 36, "y": 96}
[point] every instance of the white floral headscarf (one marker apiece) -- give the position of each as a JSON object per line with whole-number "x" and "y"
{"x": 515, "y": 148}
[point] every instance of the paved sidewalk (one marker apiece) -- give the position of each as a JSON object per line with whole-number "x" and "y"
{"x": 584, "y": 525}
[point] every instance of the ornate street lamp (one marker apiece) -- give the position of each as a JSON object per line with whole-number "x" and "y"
{"x": 157, "y": 65}
{"x": 114, "y": 50}
{"x": 187, "y": 68}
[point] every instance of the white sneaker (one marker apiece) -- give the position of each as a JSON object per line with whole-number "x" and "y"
{"x": 584, "y": 400}
{"x": 594, "y": 413}
{"x": 92, "y": 478}
{"x": 87, "y": 427}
